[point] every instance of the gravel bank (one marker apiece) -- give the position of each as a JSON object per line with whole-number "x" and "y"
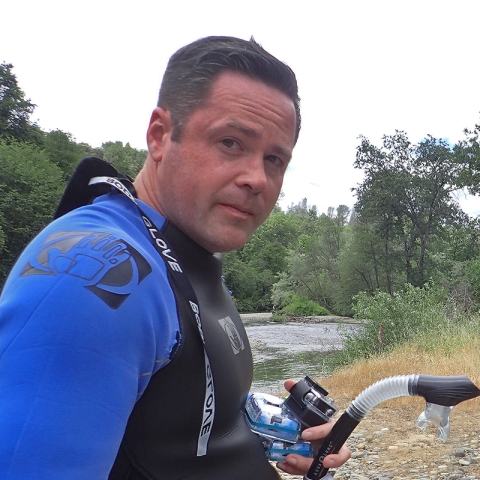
{"x": 255, "y": 317}
{"x": 402, "y": 451}
{"x": 266, "y": 316}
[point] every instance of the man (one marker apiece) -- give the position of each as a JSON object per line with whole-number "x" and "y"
{"x": 121, "y": 353}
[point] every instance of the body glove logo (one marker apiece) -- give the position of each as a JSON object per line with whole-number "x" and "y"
{"x": 107, "y": 266}
{"x": 232, "y": 333}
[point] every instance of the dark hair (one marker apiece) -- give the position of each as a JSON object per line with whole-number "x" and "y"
{"x": 191, "y": 72}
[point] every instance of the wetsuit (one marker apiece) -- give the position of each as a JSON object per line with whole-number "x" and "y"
{"x": 102, "y": 363}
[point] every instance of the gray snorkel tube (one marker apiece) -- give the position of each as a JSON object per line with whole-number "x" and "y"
{"x": 440, "y": 393}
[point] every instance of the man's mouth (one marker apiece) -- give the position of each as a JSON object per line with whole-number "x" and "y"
{"x": 238, "y": 210}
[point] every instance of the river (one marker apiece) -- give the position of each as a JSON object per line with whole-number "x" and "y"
{"x": 291, "y": 350}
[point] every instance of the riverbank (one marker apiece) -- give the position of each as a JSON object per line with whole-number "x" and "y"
{"x": 255, "y": 317}
{"x": 267, "y": 316}
{"x": 387, "y": 446}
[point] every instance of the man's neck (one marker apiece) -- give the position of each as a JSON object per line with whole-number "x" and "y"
{"x": 144, "y": 188}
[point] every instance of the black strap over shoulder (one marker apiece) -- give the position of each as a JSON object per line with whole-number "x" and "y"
{"x": 178, "y": 275}
{"x": 79, "y": 193}
{"x": 94, "y": 177}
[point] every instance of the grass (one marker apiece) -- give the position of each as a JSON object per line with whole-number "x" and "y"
{"x": 454, "y": 351}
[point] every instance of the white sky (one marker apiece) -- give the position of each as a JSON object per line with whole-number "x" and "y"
{"x": 93, "y": 68}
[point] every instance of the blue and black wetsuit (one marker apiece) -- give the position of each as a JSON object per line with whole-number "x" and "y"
{"x": 102, "y": 364}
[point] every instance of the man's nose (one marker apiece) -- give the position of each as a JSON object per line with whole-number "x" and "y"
{"x": 253, "y": 174}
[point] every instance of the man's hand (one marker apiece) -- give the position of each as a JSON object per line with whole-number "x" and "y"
{"x": 298, "y": 465}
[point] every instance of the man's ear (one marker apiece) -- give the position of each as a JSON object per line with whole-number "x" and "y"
{"x": 158, "y": 133}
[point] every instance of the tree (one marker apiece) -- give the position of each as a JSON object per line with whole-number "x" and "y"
{"x": 15, "y": 110}
{"x": 63, "y": 151}
{"x": 368, "y": 263}
{"x": 467, "y": 152}
{"x": 312, "y": 270}
{"x": 125, "y": 158}
{"x": 251, "y": 271}
{"x": 407, "y": 196}
{"x": 30, "y": 188}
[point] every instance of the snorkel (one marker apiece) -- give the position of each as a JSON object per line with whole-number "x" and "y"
{"x": 440, "y": 393}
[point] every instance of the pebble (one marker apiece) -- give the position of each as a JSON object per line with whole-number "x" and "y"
{"x": 418, "y": 459}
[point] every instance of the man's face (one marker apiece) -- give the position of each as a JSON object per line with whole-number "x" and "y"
{"x": 222, "y": 179}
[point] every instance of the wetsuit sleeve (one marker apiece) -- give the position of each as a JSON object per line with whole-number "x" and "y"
{"x": 77, "y": 349}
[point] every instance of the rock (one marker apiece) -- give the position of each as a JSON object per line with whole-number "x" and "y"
{"x": 358, "y": 454}
{"x": 407, "y": 454}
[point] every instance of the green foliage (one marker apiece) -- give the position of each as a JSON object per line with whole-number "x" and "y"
{"x": 391, "y": 320}
{"x": 407, "y": 226}
{"x": 2, "y": 237}
{"x": 369, "y": 262}
{"x": 280, "y": 317}
{"x": 126, "y": 159}
{"x": 34, "y": 167}
{"x": 467, "y": 152}
{"x": 15, "y": 110}
{"x": 63, "y": 151}
{"x": 30, "y": 188}
{"x": 407, "y": 195}
{"x": 246, "y": 283}
{"x": 473, "y": 277}
{"x": 251, "y": 271}
{"x": 313, "y": 260}
{"x": 282, "y": 290}
{"x": 304, "y": 307}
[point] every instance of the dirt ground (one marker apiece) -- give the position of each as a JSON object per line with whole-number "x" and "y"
{"x": 391, "y": 442}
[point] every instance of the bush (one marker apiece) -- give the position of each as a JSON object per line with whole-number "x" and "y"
{"x": 392, "y": 320}
{"x": 280, "y": 317}
{"x": 304, "y": 307}
{"x": 244, "y": 306}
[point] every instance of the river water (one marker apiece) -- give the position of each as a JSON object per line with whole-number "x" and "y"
{"x": 292, "y": 350}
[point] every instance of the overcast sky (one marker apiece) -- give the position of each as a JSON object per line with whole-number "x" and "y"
{"x": 93, "y": 68}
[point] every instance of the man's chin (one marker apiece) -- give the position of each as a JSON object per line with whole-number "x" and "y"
{"x": 225, "y": 242}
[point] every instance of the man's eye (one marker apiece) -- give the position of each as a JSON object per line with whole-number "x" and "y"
{"x": 275, "y": 160}
{"x": 229, "y": 143}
